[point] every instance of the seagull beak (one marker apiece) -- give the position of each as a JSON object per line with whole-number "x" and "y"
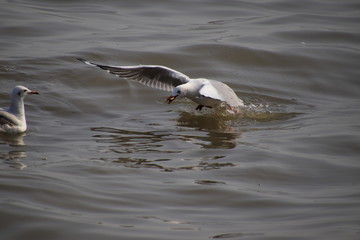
{"x": 33, "y": 92}
{"x": 171, "y": 98}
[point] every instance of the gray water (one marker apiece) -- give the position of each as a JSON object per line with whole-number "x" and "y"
{"x": 105, "y": 158}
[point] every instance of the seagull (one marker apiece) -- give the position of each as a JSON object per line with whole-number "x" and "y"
{"x": 204, "y": 92}
{"x": 13, "y": 119}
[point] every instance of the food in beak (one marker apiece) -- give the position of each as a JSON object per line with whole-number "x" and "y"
{"x": 170, "y": 99}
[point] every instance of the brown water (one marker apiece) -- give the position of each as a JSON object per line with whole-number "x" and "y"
{"x": 105, "y": 158}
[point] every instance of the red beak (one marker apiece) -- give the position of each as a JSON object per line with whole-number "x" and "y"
{"x": 33, "y": 92}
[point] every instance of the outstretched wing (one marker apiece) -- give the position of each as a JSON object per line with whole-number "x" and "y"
{"x": 154, "y": 76}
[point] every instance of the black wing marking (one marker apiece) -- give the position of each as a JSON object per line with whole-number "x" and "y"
{"x": 7, "y": 118}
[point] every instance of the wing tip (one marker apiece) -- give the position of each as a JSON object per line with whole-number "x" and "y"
{"x": 85, "y": 61}
{"x": 81, "y": 59}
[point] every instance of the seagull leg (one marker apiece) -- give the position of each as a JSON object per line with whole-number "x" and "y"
{"x": 232, "y": 109}
{"x": 199, "y": 107}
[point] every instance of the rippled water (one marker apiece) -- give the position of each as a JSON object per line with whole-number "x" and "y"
{"x": 105, "y": 158}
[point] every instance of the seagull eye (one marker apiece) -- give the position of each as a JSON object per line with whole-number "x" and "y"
{"x": 19, "y": 93}
{"x": 179, "y": 92}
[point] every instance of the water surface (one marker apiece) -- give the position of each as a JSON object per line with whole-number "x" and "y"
{"x": 105, "y": 158}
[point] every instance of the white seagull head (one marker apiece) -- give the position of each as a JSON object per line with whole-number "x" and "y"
{"x": 21, "y": 92}
{"x": 189, "y": 90}
{"x": 177, "y": 91}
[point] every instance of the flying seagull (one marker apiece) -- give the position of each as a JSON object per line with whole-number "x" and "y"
{"x": 204, "y": 92}
{"x": 13, "y": 119}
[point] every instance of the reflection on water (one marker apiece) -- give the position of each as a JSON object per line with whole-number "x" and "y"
{"x": 126, "y": 141}
{"x": 201, "y": 164}
{"x": 155, "y": 149}
{"x": 220, "y": 131}
{"x": 11, "y": 158}
{"x": 12, "y": 140}
{"x": 168, "y": 150}
{"x": 213, "y": 121}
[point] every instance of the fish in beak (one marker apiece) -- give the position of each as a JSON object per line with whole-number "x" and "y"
{"x": 171, "y": 98}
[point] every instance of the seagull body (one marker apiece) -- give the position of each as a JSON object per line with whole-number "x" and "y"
{"x": 205, "y": 92}
{"x": 13, "y": 119}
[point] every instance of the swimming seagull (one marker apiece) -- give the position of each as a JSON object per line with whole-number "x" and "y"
{"x": 205, "y": 92}
{"x": 13, "y": 119}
